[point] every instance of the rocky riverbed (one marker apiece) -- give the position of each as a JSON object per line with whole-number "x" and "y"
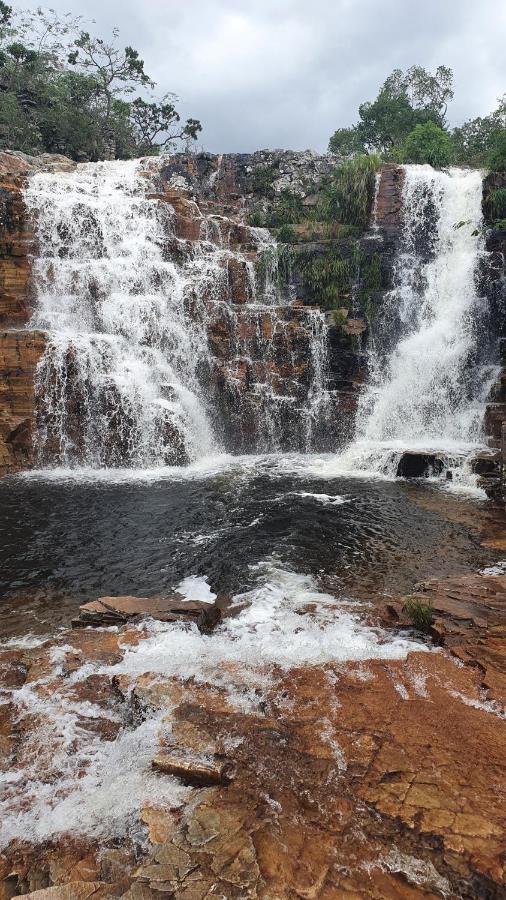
{"x": 376, "y": 774}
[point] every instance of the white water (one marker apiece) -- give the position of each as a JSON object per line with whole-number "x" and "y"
{"x": 425, "y": 390}
{"x": 123, "y": 353}
{"x": 127, "y": 374}
{"x": 70, "y": 780}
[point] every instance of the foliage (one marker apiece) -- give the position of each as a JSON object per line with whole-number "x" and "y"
{"x": 327, "y": 276}
{"x": 406, "y": 99}
{"x": 288, "y": 210}
{"x": 63, "y": 90}
{"x": 497, "y": 202}
{"x": 158, "y": 124}
{"x": 420, "y": 613}
{"x": 257, "y": 218}
{"x": 263, "y": 176}
{"x": 428, "y": 143}
{"x": 496, "y": 157}
{"x": 475, "y": 139}
{"x": 348, "y": 196}
{"x": 285, "y": 234}
{"x": 345, "y": 142}
{"x": 340, "y": 317}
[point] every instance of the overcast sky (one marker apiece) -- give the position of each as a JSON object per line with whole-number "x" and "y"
{"x": 286, "y": 73}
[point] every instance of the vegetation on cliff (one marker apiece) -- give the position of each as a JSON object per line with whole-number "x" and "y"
{"x": 64, "y": 91}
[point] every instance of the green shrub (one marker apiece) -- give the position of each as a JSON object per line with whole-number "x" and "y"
{"x": 257, "y": 218}
{"x": 263, "y": 177}
{"x": 285, "y": 234}
{"x": 497, "y": 203}
{"x": 288, "y": 210}
{"x": 496, "y": 159}
{"x": 327, "y": 276}
{"x": 348, "y": 195}
{"x": 340, "y": 317}
{"x": 428, "y": 143}
{"x": 420, "y": 613}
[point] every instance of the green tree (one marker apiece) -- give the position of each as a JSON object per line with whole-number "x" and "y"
{"x": 159, "y": 124}
{"x": 428, "y": 143}
{"x": 345, "y": 142}
{"x": 406, "y": 99}
{"x": 496, "y": 157}
{"x": 115, "y": 71}
{"x": 62, "y": 90}
{"x": 473, "y": 141}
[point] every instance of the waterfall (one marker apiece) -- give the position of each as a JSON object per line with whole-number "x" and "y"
{"x": 130, "y": 373}
{"x": 427, "y": 388}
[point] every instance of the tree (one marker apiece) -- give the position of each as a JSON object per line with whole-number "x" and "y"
{"x": 158, "y": 124}
{"x": 428, "y": 143}
{"x": 473, "y": 141}
{"x": 345, "y": 142}
{"x": 496, "y": 158}
{"x": 406, "y": 99}
{"x": 64, "y": 91}
{"x": 115, "y": 72}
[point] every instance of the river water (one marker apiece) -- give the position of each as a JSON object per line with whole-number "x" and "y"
{"x": 66, "y": 537}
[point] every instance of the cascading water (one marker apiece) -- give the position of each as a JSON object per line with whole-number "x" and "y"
{"x": 427, "y": 389}
{"x": 127, "y": 375}
{"x": 118, "y": 381}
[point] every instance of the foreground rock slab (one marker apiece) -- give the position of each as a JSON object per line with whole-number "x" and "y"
{"x": 378, "y": 779}
{"x": 119, "y": 610}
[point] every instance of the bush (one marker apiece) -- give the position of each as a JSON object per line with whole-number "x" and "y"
{"x": 288, "y": 210}
{"x": 326, "y": 276}
{"x": 263, "y": 177}
{"x": 420, "y": 613}
{"x": 496, "y": 159}
{"x": 349, "y": 195}
{"x": 428, "y": 143}
{"x": 285, "y": 234}
{"x": 256, "y": 218}
{"x": 497, "y": 203}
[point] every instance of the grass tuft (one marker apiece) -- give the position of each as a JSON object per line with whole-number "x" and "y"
{"x": 420, "y": 613}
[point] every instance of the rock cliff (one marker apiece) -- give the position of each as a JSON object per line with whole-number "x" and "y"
{"x": 256, "y": 352}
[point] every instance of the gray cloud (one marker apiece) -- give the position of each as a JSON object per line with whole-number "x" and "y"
{"x": 287, "y": 73}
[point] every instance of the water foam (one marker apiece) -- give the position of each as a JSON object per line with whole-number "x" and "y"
{"x": 97, "y": 787}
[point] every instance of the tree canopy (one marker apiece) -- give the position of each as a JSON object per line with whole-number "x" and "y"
{"x": 428, "y": 143}
{"x": 407, "y": 122}
{"x": 63, "y": 90}
{"x": 406, "y": 99}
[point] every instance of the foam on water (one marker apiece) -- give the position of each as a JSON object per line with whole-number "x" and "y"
{"x": 196, "y": 587}
{"x": 97, "y": 787}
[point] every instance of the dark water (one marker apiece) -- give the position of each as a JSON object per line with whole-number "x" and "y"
{"x": 64, "y": 541}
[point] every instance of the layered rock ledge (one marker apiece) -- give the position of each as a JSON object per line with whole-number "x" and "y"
{"x": 377, "y": 779}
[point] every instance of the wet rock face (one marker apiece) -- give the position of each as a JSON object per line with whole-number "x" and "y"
{"x": 493, "y": 285}
{"x": 20, "y": 352}
{"x": 389, "y": 201}
{"x": 263, "y": 355}
{"x": 419, "y": 465}
{"x": 16, "y": 243}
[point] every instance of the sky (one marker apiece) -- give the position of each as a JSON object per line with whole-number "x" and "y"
{"x": 286, "y": 74}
